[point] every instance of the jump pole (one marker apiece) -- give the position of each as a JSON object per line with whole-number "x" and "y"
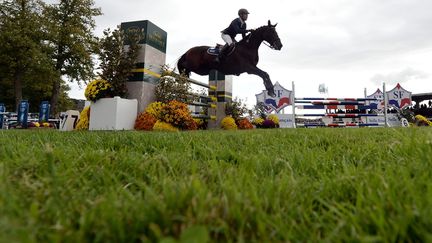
{"x": 293, "y": 105}
{"x": 385, "y": 105}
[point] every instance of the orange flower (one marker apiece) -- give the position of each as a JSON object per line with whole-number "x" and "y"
{"x": 244, "y": 123}
{"x": 145, "y": 121}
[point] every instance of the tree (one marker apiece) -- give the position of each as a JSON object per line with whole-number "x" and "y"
{"x": 236, "y": 108}
{"x": 7, "y": 96}
{"x": 174, "y": 87}
{"x": 260, "y": 110}
{"x": 117, "y": 61}
{"x": 22, "y": 50}
{"x": 70, "y": 26}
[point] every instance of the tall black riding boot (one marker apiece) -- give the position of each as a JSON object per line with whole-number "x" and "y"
{"x": 222, "y": 54}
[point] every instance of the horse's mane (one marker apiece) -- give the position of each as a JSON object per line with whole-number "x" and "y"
{"x": 257, "y": 30}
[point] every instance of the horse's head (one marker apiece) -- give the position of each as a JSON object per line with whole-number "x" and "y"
{"x": 271, "y": 36}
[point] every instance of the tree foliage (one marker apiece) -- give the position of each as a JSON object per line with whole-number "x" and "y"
{"x": 117, "y": 61}
{"x": 259, "y": 110}
{"x": 173, "y": 87}
{"x": 236, "y": 109}
{"x": 41, "y": 43}
{"x": 23, "y": 54}
{"x": 69, "y": 32}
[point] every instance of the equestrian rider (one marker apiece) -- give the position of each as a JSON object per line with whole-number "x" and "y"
{"x": 237, "y": 26}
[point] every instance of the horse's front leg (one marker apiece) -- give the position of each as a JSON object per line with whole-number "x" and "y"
{"x": 266, "y": 78}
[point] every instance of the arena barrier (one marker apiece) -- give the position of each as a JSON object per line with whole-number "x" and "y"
{"x": 23, "y": 116}
{"x": 329, "y": 119}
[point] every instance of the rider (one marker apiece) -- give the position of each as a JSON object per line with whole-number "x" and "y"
{"x": 237, "y": 26}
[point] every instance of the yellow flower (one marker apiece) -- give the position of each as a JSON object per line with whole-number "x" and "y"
{"x": 423, "y": 119}
{"x": 94, "y": 88}
{"x": 258, "y": 121}
{"x": 199, "y": 122}
{"x": 228, "y": 123}
{"x": 274, "y": 118}
{"x": 163, "y": 126}
{"x": 155, "y": 109}
{"x": 83, "y": 123}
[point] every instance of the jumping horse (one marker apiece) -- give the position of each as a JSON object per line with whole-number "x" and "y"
{"x": 243, "y": 58}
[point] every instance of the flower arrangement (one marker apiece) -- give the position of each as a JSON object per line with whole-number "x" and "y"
{"x": 191, "y": 124}
{"x": 158, "y": 114}
{"x": 163, "y": 126}
{"x": 236, "y": 109}
{"x": 422, "y": 121}
{"x": 47, "y": 124}
{"x": 155, "y": 109}
{"x": 201, "y": 123}
{"x": 228, "y": 123}
{"x": 257, "y": 121}
{"x": 83, "y": 123}
{"x": 271, "y": 121}
{"x": 274, "y": 118}
{"x": 33, "y": 124}
{"x": 244, "y": 123}
{"x": 268, "y": 124}
{"x": 145, "y": 121}
{"x": 177, "y": 114}
{"x": 97, "y": 89}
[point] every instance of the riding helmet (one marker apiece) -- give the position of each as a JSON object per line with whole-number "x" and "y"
{"x": 243, "y": 11}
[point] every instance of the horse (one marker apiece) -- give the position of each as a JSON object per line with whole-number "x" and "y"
{"x": 243, "y": 58}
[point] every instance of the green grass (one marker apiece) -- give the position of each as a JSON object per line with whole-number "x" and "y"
{"x": 309, "y": 185}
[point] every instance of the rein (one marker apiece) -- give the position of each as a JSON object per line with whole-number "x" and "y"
{"x": 265, "y": 42}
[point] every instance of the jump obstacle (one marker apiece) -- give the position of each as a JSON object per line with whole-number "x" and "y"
{"x": 216, "y": 99}
{"x": 209, "y": 101}
{"x": 308, "y": 103}
{"x": 204, "y": 100}
{"x": 148, "y": 67}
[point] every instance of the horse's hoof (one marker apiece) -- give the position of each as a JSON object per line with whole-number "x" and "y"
{"x": 271, "y": 93}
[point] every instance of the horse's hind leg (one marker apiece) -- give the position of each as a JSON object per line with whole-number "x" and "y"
{"x": 266, "y": 78}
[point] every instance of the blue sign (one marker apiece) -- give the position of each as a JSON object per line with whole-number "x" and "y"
{"x": 44, "y": 110}
{"x": 2, "y": 110}
{"x": 23, "y": 109}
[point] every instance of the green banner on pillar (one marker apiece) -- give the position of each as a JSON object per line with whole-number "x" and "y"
{"x": 153, "y": 35}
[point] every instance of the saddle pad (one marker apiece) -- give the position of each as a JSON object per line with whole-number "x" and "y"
{"x": 213, "y": 51}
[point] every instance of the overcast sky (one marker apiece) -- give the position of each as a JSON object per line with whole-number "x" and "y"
{"x": 348, "y": 45}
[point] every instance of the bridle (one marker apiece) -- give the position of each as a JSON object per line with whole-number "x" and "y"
{"x": 265, "y": 42}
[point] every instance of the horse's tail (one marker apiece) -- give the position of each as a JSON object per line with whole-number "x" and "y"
{"x": 181, "y": 64}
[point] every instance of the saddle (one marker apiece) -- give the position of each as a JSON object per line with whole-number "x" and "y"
{"x": 215, "y": 51}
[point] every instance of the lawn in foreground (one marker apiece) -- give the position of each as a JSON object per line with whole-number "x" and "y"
{"x": 371, "y": 184}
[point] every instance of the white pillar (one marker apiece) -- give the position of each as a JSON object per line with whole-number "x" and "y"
{"x": 151, "y": 57}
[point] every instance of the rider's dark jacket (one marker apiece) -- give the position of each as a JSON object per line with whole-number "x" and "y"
{"x": 236, "y": 27}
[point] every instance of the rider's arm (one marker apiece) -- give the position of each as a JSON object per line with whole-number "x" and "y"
{"x": 236, "y": 24}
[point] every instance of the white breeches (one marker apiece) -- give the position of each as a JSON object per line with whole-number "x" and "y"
{"x": 227, "y": 39}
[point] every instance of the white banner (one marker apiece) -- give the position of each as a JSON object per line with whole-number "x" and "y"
{"x": 285, "y": 120}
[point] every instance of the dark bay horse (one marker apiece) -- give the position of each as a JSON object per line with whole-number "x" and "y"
{"x": 244, "y": 58}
